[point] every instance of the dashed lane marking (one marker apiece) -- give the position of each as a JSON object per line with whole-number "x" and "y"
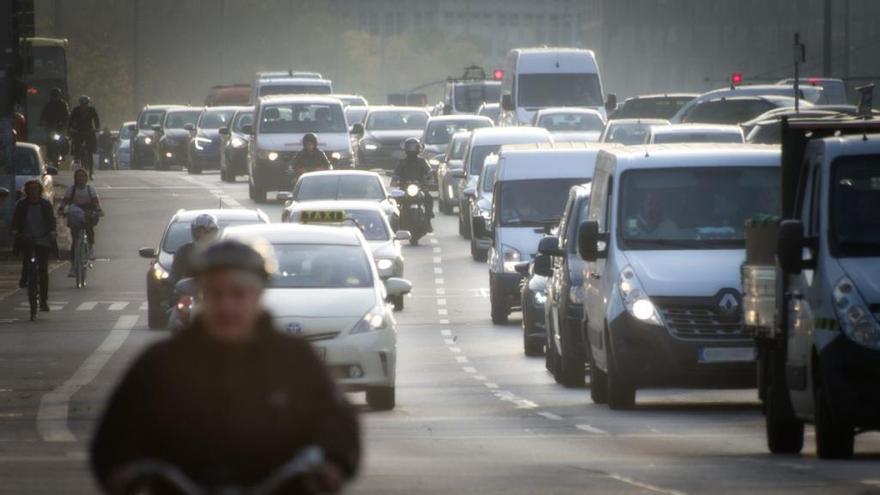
{"x": 441, "y": 302}
{"x": 444, "y": 321}
{"x": 438, "y": 281}
{"x": 462, "y": 359}
{"x": 438, "y": 260}
{"x": 591, "y": 429}
{"x": 442, "y": 312}
{"x": 454, "y": 349}
{"x": 437, "y": 250}
{"x": 549, "y": 415}
{"x": 469, "y": 369}
{"x": 438, "y": 270}
{"x": 643, "y": 485}
{"x": 445, "y": 332}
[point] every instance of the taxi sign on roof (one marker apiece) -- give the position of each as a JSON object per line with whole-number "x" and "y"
{"x": 333, "y": 216}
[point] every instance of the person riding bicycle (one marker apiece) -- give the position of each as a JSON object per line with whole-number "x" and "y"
{"x": 413, "y": 168}
{"x": 83, "y": 210}
{"x": 33, "y": 229}
{"x": 84, "y": 123}
{"x": 204, "y": 230}
{"x": 229, "y": 398}
{"x": 55, "y": 114}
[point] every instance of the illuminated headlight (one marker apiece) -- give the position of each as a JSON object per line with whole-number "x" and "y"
{"x": 576, "y": 294}
{"x": 510, "y": 257}
{"x": 855, "y": 318}
{"x": 371, "y": 146}
{"x": 637, "y": 303}
{"x": 269, "y": 155}
{"x": 336, "y": 155}
{"x": 373, "y": 320}
{"x": 451, "y": 193}
{"x": 56, "y": 136}
{"x": 434, "y": 162}
{"x": 540, "y": 297}
{"x": 160, "y": 273}
{"x": 237, "y": 142}
{"x": 148, "y": 140}
{"x": 384, "y": 264}
{"x": 200, "y": 143}
{"x": 168, "y": 154}
{"x": 412, "y": 190}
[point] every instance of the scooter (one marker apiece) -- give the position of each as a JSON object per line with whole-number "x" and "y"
{"x": 411, "y": 198}
{"x": 181, "y": 312}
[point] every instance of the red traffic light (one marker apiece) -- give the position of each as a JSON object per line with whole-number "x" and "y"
{"x": 736, "y": 79}
{"x": 498, "y": 74}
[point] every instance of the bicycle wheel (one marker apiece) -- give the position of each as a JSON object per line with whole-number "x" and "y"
{"x": 81, "y": 259}
{"x": 33, "y": 284}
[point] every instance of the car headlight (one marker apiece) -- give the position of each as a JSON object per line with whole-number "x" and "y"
{"x": 510, "y": 257}
{"x": 168, "y": 154}
{"x": 434, "y": 162}
{"x": 373, "y": 320}
{"x": 412, "y": 190}
{"x": 854, "y": 316}
{"x": 237, "y": 142}
{"x": 637, "y": 303}
{"x": 56, "y": 136}
{"x": 384, "y": 264}
{"x": 540, "y": 297}
{"x": 269, "y": 155}
{"x": 200, "y": 143}
{"x": 576, "y": 294}
{"x": 336, "y": 155}
{"x": 160, "y": 273}
{"x": 370, "y": 146}
{"x": 148, "y": 140}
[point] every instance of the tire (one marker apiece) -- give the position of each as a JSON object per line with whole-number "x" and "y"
{"x": 621, "y": 393}
{"x": 598, "y": 385}
{"x": 835, "y": 437}
{"x": 464, "y": 229}
{"x": 256, "y": 194}
{"x": 531, "y": 347}
{"x": 193, "y": 170}
{"x": 785, "y": 433}
{"x": 224, "y": 176}
{"x": 549, "y": 363}
{"x": 478, "y": 254}
{"x": 33, "y": 282}
{"x": 572, "y": 371}
{"x": 397, "y": 303}
{"x": 156, "y": 315}
{"x": 499, "y": 309}
{"x": 381, "y": 398}
{"x": 413, "y": 241}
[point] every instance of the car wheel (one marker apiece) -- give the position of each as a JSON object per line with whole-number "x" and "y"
{"x": 598, "y": 385}
{"x": 256, "y": 194}
{"x": 499, "y": 309}
{"x": 785, "y": 433}
{"x": 381, "y": 398}
{"x": 464, "y": 229}
{"x": 621, "y": 393}
{"x": 835, "y": 437}
{"x": 531, "y": 346}
{"x": 397, "y": 303}
{"x": 572, "y": 369}
{"x": 478, "y": 254}
{"x": 156, "y": 315}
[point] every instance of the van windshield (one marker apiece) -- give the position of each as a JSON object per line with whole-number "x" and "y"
{"x": 559, "y": 90}
{"x": 469, "y": 96}
{"x": 855, "y": 206}
{"x": 478, "y": 156}
{"x": 302, "y": 117}
{"x": 694, "y": 208}
{"x": 538, "y": 202}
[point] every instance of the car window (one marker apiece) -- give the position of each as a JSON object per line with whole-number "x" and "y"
{"x": 627, "y": 134}
{"x": 179, "y": 234}
{"x": 372, "y": 223}
{"x": 294, "y": 89}
{"x": 697, "y": 137}
{"x": 26, "y": 161}
{"x": 727, "y": 111}
{"x": 338, "y": 187}
{"x": 355, "y": 115}
{"x": 457, "y": 148}
{"x": 478, "y": 157}
{"x": 441, "y": 132}
{"x": 396, "y": 120}
{"x": 324, "y": 266}
{"x": 215, "y": 119}
{"x": 302, "y": 117}
{"x": 150, "y": 118}
{"x": 242, "y": 119}
{"x": 571, "y": 122}
{"x": 124, "y": 132}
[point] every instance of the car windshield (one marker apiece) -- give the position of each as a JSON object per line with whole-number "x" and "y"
{"x": 179, "y": 233}
{"x": 855, "y": 206}
{"x": 352, "y": 101}
{"x": 124, "y": 133}
{"x": 727, "y": 111}
{"x": 290, "y": 118}
{"x": 469, "y": 96}
{"x": 651, "y": 108}
{"x": 488, "y": 178}
{"x": 478, "y": 156}
{"x": 242, "y": 119}
{"x": 571, "y": 122}
{"x": 215, "y": 119}
{"x": 338, "y": 187}
{"x": 694, "y": 208}
{"x": 26, "y": 161}
{"x": 534, "y": 202}
{"x": 441, "y": 132}
{"x": 321, "y": 266}
{"x": 491, "y": 111}
{"x": 294, "y": 89}
{"x": 766, "y": 133}
{"x": 177, "y": 120}
{"x": 626, "y": 134}
{"x": 559, "y": 90}
{"x": 148, "y": 119}
{"x": 396, "y": 120}
{"x": 372, "y": 223}
{"x": 698, "y": 137}
{"x": 457, "y": 147}
{"x": 355, "y": 115}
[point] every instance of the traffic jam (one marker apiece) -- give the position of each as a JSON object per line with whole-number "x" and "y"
{"x": 528, "y": 286}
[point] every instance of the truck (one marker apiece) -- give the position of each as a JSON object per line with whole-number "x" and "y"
{"x": 811, "y": 288}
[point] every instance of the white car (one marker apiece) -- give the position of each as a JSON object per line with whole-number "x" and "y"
{"x": 571, "y": 124}
{"x": 694, "y": 133}
{"x": 328, "y": 291}
{"x": 335, "y": 185}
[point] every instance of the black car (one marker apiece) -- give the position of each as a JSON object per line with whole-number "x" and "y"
{"x": 234, "y": 145}
{"x": 204, "y": 148}
{"x": 382, "y": 133}
{"x": 533, "y": 294}
{"x": 660, "y": 106}
{"x": 147, "y": 132}
{"x": 564, "y": 309}
{"x": 177, "y": 130}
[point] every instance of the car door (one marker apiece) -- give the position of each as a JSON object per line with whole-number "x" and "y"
{"x": 556, "y": 288}
{"x": 594, "y": 271}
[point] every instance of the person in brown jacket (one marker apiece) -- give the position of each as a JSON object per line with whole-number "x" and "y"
{"x": 229, "y": 399}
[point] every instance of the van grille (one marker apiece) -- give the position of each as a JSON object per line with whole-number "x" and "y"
{"x": 321, "y": 336}
{"x": 688, "y": 321}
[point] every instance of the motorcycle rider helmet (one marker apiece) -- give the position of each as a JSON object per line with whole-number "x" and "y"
{"x": 203, "y": 224}
{"x": 310, "y": 138}
{"x": 256, "y": 257}
{"x": 84, "y": 100}
{"x": 55, "y": 93}
{"x": 412, "y": 146}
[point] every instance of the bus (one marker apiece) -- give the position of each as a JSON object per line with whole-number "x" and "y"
{"x": 45, "y": 67}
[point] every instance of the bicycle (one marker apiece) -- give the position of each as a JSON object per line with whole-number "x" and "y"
{"x": 83, "y": 157}
{"x": 80, "y": 247}
{"x": 32, "y": 278}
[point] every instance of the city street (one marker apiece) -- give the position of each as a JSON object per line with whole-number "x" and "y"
{"x": 473, "y": 414}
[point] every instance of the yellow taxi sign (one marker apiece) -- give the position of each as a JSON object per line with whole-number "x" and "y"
{"x": 330, "y": 216}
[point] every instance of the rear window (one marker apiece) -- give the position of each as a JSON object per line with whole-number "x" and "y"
{"x": 727, "y": 111}
{"x": 336, "y": 187}
{"x": 298, "y": 89}
{"x": 150, "y": 118}
{"x": 178, "y": 234}
{"x": 26, "y": 162}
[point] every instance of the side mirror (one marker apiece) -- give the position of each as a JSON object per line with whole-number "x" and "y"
{"x": 4, "y": 193}
{"x": 790, "y": 246}
{"x": 507, "y": 103}
{"x": 588, "y": 240}
{"x": 549, "y": 246}
{"x": 248, "y": 129}
{"x": 610, "y": 102}
{"x": 189, "y": 127}
{"x": 223, "y": 131}
{"x": 481, "y": 230}
{"x": 522, "y": 268}
{"x": 469, "y": 192}
{"x": 357, "y": 129}
{"x": 51, "y": 171}
{"x": 402, "y": 235}
{"x": 157, "y": 129}
{"x": 185, "y": 287}
{"x": 147, "y": 252}
{"x": 397, "y": 194}
{"x": 397, "y": 286}
{"x": 132, "y": 128}
{"x": 543, "y": 267}
{"x": 284, "y": 196}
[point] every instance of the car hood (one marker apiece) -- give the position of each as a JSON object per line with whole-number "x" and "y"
{"x": 393, "y": 137}
{"x": 176, "y": 135}
{"x": 383, "y": 249}
{"x": 865, "y": 274}
{"x": 166, "y": 260}
{"x": 327, "y": 142}
{"x": 318, "y": 311}
{"x": 211, "y": 134}
{"x": 692, "y": 273}
{"x": 586, "y": 136}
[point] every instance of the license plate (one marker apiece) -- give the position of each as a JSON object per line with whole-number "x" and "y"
{"x": 726, "y": 354}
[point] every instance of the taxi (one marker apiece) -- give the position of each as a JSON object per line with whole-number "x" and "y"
{"x": 327, "y": 290}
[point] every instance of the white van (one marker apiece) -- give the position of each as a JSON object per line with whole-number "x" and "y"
{"x": 536, "y": 78}
{"x": 531, "y": 187}
{"x": 663, "y": 246}
{"x": 290, "y": 86}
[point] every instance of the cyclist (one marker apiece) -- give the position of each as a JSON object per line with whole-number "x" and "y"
{"x": 229, "y": 398}
{"x": 83, "y": 124}
{"x": 204, "y": 230}
{"x": 33, "y": 228}
{"x": 55, "y": 114}
{"x": 83, "y": 211}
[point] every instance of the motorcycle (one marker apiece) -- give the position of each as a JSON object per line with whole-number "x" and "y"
{"x": 413, "y": 216}
{"x": 181, "y": 312}
{"x": 58, "y": 147}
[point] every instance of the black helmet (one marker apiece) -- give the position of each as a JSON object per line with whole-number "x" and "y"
{"x": 412, "y": 145}
{"x": 205, "y": 222}
{"x": 55, "y": 93}
{"x": 310, "y": 138}
{"x": 84, "y": 100}
{"x": 257, "y": 258}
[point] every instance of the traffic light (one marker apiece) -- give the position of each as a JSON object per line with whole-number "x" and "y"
{"x": 498, "y": 74}
{"x": 736, "y": 79}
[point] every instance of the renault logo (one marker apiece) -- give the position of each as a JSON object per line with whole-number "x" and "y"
{"x": 728, "y": 302}
{"x": 294, "y": 328}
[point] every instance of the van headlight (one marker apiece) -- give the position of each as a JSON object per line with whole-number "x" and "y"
{"x": 412, "y": 190}
{"x": 373, "y": 320}
{"x": 56, "y": 136}
{"x": 148, "y": 140}
{"x": 637, "y": 303}
{"x": 160, "y": 273}
{"x": 854, "y": 316}
{"x": 510, "y": 257}
{"x": 336, "y": 155}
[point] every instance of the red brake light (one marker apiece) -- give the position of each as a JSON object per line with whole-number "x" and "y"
{"x": 736, "y": 78}
{"x": 814, "y": 81}
{"x": 32, "y": 91}
{"x": 498, "y": 74}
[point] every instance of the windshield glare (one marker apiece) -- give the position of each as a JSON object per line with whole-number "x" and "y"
{"x": 571, "y": 122}
{"x": 488, "y": 178}
{"x": 335, "y": 187}
{"x": 441, "y": 132}
{"x": 694, "y": 208}
{"x": 469, "y": 96}
{"x": 302, "y": 118}
{"x": 478, "y": 157}
{"x": 320, "y": 266}
{"x": 177, "y": 120}
{"x": 396, "y": 121}
{"x": 559, "y": 90}
{"x": 215, "y": 119}
{"x": 855, "y": 198}
{"x": 534, "y": 202}
{"x": 627, "y": 134}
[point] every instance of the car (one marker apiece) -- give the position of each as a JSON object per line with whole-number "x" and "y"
{"x": 491, "y": 110}
{"x": 465, "y": 96}
{"x": 481, "y": 143}
{"x": 382, "y": 133}
{"x": 351, "y": 100}
{"x": 767, "y": 127}
{"x": 369, "y": 217}
{"x": 335, "y": 185}
{"x": 663, "y": 248}
{"x": 204, "y": 147}
{"x": 280, "y": 124}
{"x": 735, "y": 109}
{"x": 480, "y": 199}
{"x": 285, "y": 85}
{"x": 123, "y": 145}
{"x": 327, "y": 290}
{"x": 178, "y": 129}
{"x": 808, "y": 94}
{"x": 147, "y": 131}
{"x": 833, "y": 90}
{"x": 274, "y": 74}
{"x": 533, "y": 296}
{"x": 571, "y": 124}
{"x": 449, "y": 173}
{"x": 29, "y": 165}
{"x": 176, "y": 234}
{"x": 656, "y": 106}
{"x": 694, "y": 133}
{"x": 439, "y": 130}
{"x": 234, "y": 145}
{"x": 628, "y": 131}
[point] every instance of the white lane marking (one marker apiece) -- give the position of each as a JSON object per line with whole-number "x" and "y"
{"x": 469, "y": 369}
{"x": 442, "y": 312}
{"x": 438, "y": 281}
{"x": 432, "y": 239}
{"x": 444, "y": 321}
{"x": 525, "y": 404}
{"x": 643, "y": 485}
{"x": 454, "y": 349}
{"x": 437, "y": 260}
{"x": 448, "y": 341}
{"x": 440, "y": 291}
{"x": 491, "y": 385}
{"x": 549, "y": 415}
{"x": 437, "y": 250}
{"x": 144, "y": 306}
{"x": 483, "y": 292}
{"x": 87, "y": 306}
{"x": 591, "y": 429}
{"x": 480, "y": 378}
{"x": 53, "y": 306}
{"x": 461, "y": 359}
{"x": 445, "y": 332}
{"x": 871, "y": 482}
{"x": 117, "y": 306}
{"x": 441, "y": 302}
{"x": 52, "y": 415}
{"x": 438, "y": 270}
{"x": 224, "y": 198}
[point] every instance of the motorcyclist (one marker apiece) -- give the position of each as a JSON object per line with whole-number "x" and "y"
{"x": 310, "y": 158}
{"x": 55, "y": 114}
{"x": 84, "y": 123}
{"x": 204, "y": 229}
{"x": 105, "y": 148}
{"x": 229, "y": 398}
{"x": 413, "y": 168}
